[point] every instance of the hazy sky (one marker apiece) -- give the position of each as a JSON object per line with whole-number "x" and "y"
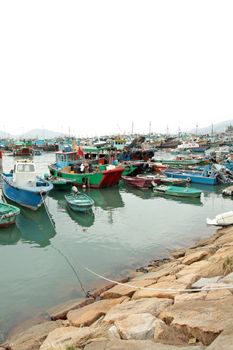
{"x": 96, "y": 66}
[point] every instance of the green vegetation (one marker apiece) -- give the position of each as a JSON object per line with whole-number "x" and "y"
{"x": 227, "y": 265}
{"x": 70, "y": 347}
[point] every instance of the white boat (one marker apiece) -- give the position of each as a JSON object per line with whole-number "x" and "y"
{"x": 228, "y": 191}
{"x": 224, "y": 219}
{"x": 188, "y": 145}
{"x": 24, "y": 187}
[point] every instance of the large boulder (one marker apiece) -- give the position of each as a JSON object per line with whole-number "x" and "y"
{"x": 60, "y": 311}
{"x": 135, "y": 345}
{"x": 218, "y": 260}
{"x": 161, "y": 290}
{"x": 205, "y": 281}
{"x": 200, "y": 319}
{"x": 228, "y": 279}
{"x": 224, "y": 341}
{"x": 32, "y": 338}
{"x": 218, "y": 294}
{"x": 153, "y": 306}
{"x": 198, "y": 268}
{"x": 167, "y": 335}
{"x": 180, "y": 298}
{"x": 90, "y": 313}
{"x": 137, "y": 326}
{"x": 166, "y": 269}
{"x": 195, "y": 256}
{"x": 64, "y": 337}
{"x": 126, "y": 289}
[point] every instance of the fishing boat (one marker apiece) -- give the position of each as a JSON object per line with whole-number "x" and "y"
{"x": 178, "y": 191}
{"x": 179, "y": 162}
{"x": 24, "y": 187}
{"x": 68, "y": 165}
{"x": 22, "y": 152}
{"x": 195, "y": 177}
{"x": 164, "y": 180}
{"x": 59, "y": 183}
{"x": 37, "y": 152}
{"x": 79, "y": 201}
{"x": 192, "y": 146}
{"x": 8, "y": 214}
{"x": 224, "y": 219}
{"x": 158, "y": 167}
{"x": 138, "y": 181}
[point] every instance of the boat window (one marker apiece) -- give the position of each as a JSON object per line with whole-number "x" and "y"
{"x": 29, "y": 168}
{"x": 20, "y": 168}
{"x": 25, "y": 168}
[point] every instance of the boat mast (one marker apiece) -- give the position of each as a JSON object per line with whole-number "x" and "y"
{"x": 132, "y": 127}
{"x": 149, "y": 129}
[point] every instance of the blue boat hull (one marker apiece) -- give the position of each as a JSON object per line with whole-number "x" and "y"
{"x": 198, "y": 179}
{"x": 29, "y": 199}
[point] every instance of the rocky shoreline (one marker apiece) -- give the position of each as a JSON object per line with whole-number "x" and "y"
{"x": 153, "y": 308}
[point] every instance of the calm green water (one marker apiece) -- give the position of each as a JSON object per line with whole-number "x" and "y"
{"x": 128, "y": 228}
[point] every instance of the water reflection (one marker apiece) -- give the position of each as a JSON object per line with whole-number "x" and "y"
{"x": 83, "y": 219}
{"x": 31, "y": 227}
{"x": 142, "y": 193}
{"x": 107, "y": 198}
{"x": 10, "y": 235}
{"x": 181, "y": 200}
{"x": 35, "y": 226}
{"x": 149, "y": 194}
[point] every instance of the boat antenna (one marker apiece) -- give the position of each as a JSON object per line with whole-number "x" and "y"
{"x": 132, "y": 128}
{"x": 149, "y": 129}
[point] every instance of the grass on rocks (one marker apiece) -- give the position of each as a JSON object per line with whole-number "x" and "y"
{"x": 228, "y": 265}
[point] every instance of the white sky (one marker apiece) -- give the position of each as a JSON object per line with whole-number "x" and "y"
{"x": 96, "y": 66}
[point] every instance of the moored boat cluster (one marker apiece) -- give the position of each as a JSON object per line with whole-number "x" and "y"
{"x": 172, "y": 304}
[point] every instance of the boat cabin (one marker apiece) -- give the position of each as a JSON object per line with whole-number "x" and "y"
{"x": 119, "y": 144}
{"x": 66, "y": 158}
{"x": 24, "y": 172}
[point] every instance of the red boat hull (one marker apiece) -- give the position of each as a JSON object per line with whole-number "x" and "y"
{"x": 111, "y": 177}
{"x": 137, "y": 181}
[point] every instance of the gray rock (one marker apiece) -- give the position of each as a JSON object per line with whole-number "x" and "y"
{"x": 151, "y": 305}
{"x": 228, "y": 279}
{"x": 203, "y": 282}
{"x": 137, "y": 326}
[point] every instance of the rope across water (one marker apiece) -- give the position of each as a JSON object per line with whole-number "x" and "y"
{"x": 128, "y": 285}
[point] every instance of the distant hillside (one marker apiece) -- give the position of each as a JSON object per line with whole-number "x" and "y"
{"x": 41, "y": 134}
{"x": 4, "y": 134}
{"x": 218, "y": 127}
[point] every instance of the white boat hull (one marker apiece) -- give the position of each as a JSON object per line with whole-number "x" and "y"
{"x": 224, "y": 219}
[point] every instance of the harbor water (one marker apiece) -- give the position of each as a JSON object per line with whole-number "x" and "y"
{"x": 127, "y": 229}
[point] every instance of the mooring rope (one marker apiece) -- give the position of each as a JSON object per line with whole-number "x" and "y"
{"x": 87, "y": 293}
{"x": 61, "y": 253}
